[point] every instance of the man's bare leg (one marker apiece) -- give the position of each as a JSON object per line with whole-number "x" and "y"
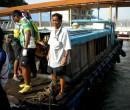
{"x": 53, "y": 77}
{"x": 62, "y": 85}
{"x": 16, "y": 64}
{"x": 26, "y": 74}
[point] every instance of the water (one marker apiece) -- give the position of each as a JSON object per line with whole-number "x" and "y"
{"x": 114, "y": 92}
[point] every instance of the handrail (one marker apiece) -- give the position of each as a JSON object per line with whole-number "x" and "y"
{"x": 91, "y": 21}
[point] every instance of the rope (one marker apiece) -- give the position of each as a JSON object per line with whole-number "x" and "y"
{"x": 40, "y": 96}
{"x": 50, "y": 97}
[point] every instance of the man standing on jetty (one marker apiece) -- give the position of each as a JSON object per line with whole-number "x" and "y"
{"x": 28, "y": 49}
{"x": 58, "y": 55}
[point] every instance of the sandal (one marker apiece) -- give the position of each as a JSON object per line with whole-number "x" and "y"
{"x": 60, "y": 96}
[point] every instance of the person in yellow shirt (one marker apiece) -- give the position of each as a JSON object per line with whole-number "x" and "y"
{"x": 27, "y": 42}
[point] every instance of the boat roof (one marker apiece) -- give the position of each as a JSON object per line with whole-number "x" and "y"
{"x": 65, "y": 5}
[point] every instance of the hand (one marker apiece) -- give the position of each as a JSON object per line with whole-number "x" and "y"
{"x": 24, "y": 52}
{"x": 64, "y": 61}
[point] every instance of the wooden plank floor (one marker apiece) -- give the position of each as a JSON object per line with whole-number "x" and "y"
{"x": 12, "y": 88}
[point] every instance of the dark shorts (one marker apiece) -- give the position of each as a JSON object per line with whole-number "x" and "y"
{"x": 29, "y": 59}
{"x": 59, "y": 71}
{"x": 24, "y": 61}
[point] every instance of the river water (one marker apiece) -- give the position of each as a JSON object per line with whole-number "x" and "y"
{"x": 114, "y": 91}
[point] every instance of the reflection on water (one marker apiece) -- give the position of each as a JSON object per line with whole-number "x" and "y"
{"x": 114, "y": 92}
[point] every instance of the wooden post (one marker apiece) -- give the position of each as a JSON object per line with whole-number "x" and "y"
{"x": 79, "y": 13}
{"x": 70, "y": 16}
{"x": 116, "y": 17}
{"x": 110, "y": 12}
{"x": 40, "y": 19}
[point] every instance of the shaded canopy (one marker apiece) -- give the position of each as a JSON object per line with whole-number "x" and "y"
{"x": 65, "y": 5}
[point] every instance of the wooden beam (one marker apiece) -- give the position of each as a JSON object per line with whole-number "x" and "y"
{"x": 63, "y": 4}
{"x": 70, "y": 16}
{"x": 110, "y": 12}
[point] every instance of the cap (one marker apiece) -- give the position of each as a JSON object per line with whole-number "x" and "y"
{"x": 16, "y": 13}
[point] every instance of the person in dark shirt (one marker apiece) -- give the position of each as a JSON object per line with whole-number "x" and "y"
{"x": 16, "y": 48}
{"x": 4, "y": 102}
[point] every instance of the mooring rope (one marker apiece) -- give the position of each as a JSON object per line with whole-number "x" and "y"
{"x": 40, "y": 96}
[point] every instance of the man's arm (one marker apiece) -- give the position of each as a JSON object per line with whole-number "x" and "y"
{"x": 64, "y": 60}
{"x": 27, "y": 40}
{"x": 47, "y": 57}
{"x": 66, "y": 53}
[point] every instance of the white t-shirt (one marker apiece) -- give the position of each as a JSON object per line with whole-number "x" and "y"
{"x": 58, "y": 42}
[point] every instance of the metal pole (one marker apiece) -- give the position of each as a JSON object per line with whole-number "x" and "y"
{"x": 98, "y": 8}
{"x": 116, "y": 13}
{"x": 50, "y": 18}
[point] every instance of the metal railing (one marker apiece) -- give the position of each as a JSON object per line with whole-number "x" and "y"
{"x": 121, "y": 25}
{"x": 7, "y": 25}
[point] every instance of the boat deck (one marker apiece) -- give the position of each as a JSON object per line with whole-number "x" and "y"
{"x": 12, "y": 88}
{"x": 35, "y": 96}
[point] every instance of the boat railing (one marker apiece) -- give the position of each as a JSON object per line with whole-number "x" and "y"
{"x": 91, "y": 21}
{"x": 89, "y": 43}
{"x": 7, "y": 25}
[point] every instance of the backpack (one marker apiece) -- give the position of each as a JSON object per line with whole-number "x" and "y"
{"x": 2, "y": 58}
{"x": 17, "y": 30}
{"x": 36, "y": 33}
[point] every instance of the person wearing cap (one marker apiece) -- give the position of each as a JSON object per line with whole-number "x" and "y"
{"x": 39, "y": 55}
{"x": 14, "y": 54}
{"x": 41, "y": 52}
{"x": 58, "y": 55}
{"x": 17, "y": 50}
{"x": 33, "y": 66}
{"x": 28, "y": 49}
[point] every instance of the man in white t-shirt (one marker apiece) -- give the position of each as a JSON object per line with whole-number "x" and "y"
{"x": 58, "y": 55}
